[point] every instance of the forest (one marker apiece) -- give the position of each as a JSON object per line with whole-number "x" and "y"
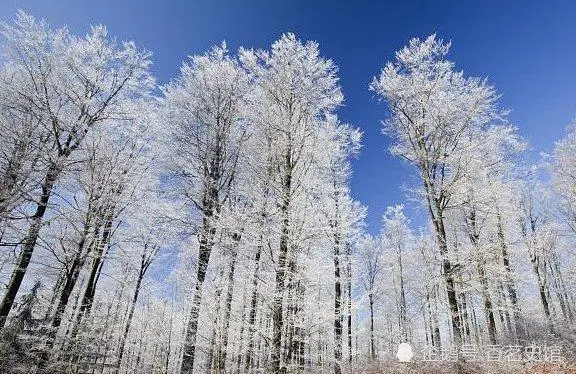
{"x": 207, "y": 224}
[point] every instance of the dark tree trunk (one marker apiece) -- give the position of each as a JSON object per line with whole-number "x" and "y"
{"x": 542, "y": 290}
{"x": 561, "y": 292}
{"x": 349, "y": 300}
{"x": 277, "y": 321}
{"x": 435, "y": 317}
{"x": 337, "y": 307}
{"x": 480, "y": 263}
{"x": 210, "y": 206}
{"x": 249, "y": 363}
{"x": 436, "y": 210}
{"x": 143, "y": 268}
{"x": 29, "y": 244}
{"x": 223, "y": 347}
{"x": 70, "y": 279}
{"x": 504, "y": 310}
{"x": 190, "y": 342}
{"x": 520, "y": 331}
{"x": 242, "y": 329}
{"x": 97, "y": 262}
{"x": 373, "y": 355}
{"x": 488, "y": 309}
{"x": 465, "y": 316}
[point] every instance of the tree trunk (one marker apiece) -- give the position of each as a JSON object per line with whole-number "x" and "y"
{"x": 474, "y": 236}
{"x": 90, "y": 291}
{"x": 372, "y": 342}
{"x": 447, "y": 269}
{"x": 337, "y": 307}
{"x": 436, "y": 211}
{"x": 278, "y": 323}
{"x": 249, "y": 363}
{"x": 542, "y": 290}
{"x": 29, "y": 244}
{"x": 241, "y": 335}
{"x": 192, "y": 329}
{"x": 223, "y": 347}
{"x": 210, "y": 205}
{"x": 488, "y": 309}
{"x": 403, "y": 309}
{"x": 520, "y": 331}
{"x": 143, "y": 268}
{"x": 562, "y": 294}
{"x": 69, "y": 282}
{"x": 349, "y": 300}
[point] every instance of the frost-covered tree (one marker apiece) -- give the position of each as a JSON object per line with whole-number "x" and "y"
{"x": 371, "y": 275}
{"x": 396, "y": 235}
{"x": 72, "y": 85}
{"x": 436, "y": 116}
{"x": 294, "y": 90}
{"x": 343, "y": 217}
{"x": 563, "y": 171}
{"x": 203, "y": 114}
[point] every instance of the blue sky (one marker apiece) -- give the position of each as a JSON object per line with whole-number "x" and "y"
{"x": 527, "y": 49}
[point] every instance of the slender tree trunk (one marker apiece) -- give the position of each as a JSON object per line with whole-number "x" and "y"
{"x": 216, "y": 329}
{"x": 426, "y": 328}
{"x": 97, "y": 261}
{"x": 241, "y": 337}
{"x": 337, "y": 307}
{"x": 448, "y": 270}
{"x": 476, "y": 327}
{"x": 223, "y": 347}
{"x": 143, "y": 268}
{"x": 110, "y": 330}
{"x": 465, "y": 317}
{"x": 542, "y": 290}
{"x": 169, "y": 343}
{"x": 210, "y": 206}
{"x": 520, "y": 331}
{"x": 249, "y": 362}
{"x": 29, "y": 244}
{"x": 56, "y": 290}
{"x": 403, "y": 310}
{"x": 290, "y": 314}
{"x": 488, "y": 309}
{"x": 503, "y": 310}
{"x": 435, "y": 317}
{"x": 428, "y": 313}
{"x": 562, "y": 294}
{"x": 70, "y": 282}
{"x": 139, "y": 354}
{"x": 349, "y": 300}
{"x": 480, "y": 263}
{"x": 190, "y": 340}
{"x": 373, "y": 356}
{"x": 436, "y": 211}
{"x": 278, "y": 323}
{"x": 71, "y": 276}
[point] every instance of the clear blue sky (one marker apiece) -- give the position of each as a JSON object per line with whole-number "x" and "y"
{"x": 527, "y": 49}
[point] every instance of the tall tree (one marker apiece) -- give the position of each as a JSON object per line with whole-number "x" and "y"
{"x": 397, "y": 235}
{"x": 435, "y": 113}
{"x": 372, "y": 271}
{"x": 78, "y": 84}
{"x": 203, "y": 111}
{"x": 295, "y": 89}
